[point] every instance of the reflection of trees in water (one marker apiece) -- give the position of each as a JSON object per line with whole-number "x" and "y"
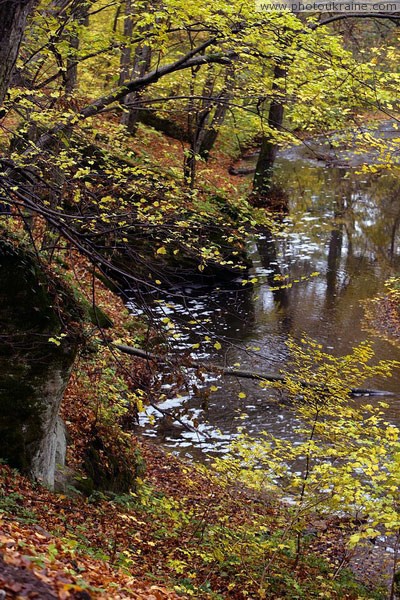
{"x": 370, "y": 204}
{"x": 394, "y": 235}
{"x": 354, "y": 233}
{"x": 357, "y": 225}
{"x": 341, "y": 211}
{"x": 333, "y": 264}
{"x": 233, "y": 312}
{"x": 388, "y": 194}
{"x": 372, "y": 216}
{"x": 200, "y": 311}
{"x": 267, "y": 250}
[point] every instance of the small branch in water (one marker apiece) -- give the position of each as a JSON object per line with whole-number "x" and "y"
{"x": 229, "y": 372}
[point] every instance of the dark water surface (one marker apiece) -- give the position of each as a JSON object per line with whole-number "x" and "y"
{"x": 341, "y": 242}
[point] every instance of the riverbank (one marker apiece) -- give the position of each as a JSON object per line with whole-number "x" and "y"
{"x": 173, "y": 530}
{"x": 179, "y": 535}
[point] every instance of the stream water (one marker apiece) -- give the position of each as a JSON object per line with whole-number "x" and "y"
{"x": 340, "y": 242}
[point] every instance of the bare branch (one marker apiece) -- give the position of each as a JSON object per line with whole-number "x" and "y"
{"x": 340, "y": 17}
{"x": 229, "y": 372}
{"x": 186, "y": 62}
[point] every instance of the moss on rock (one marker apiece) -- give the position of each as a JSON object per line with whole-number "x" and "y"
{"x": 40, "y": 325}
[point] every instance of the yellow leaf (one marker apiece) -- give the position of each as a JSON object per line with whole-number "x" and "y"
{"x": 354, "y": 539}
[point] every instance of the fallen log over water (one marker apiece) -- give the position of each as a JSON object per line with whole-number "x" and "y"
{"x": 230, "y": 372}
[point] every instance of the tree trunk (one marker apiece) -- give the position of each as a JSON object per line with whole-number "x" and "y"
{"x": 80, "y": 17}
{"x": 13, "y": 17}
{"x": 197, "y": 136}
{"x": 193, "y": 116}
{"x": 211, "y": 133}
{"x": 205, "y": 131}
{"x": 269, "y": 147}
{"x": 141, "y": 64}
{"x": 125, "y": 61}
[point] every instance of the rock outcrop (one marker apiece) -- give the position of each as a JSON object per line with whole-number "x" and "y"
{"x": 40, "y": 334}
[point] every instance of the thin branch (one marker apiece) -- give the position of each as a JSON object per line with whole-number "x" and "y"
{"x": 229, "y": 372}
{"x": 391, "y": 16}
{"x": 96, "y": 107}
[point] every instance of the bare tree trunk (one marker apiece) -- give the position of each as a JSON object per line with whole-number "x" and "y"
{"x": 206, "y": 128}
{"x": 125, "y": 61}
{"x": 13, "y": 17}
{"x": 269, "y": 147}
{"x": 211, "y": 131}
{"x": 141, "y": 64}
{"x": 80, "y": 17}
{"x": 197, "y": 119}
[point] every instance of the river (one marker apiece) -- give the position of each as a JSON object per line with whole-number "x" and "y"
{"x": 339, "y": 243}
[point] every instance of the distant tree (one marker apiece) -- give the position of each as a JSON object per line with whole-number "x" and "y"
{"x": 269, "y": 147}
{"x": 285, "y": 65}
{"x": 134, "y": 64}
{"x": 205, "y": 117}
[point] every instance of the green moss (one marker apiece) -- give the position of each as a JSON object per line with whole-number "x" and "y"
{"x": 99, "y": 317}
{"x": 111, "y": 462}
{"x": 13, "y": 503}
{"x": 94, "y": 314}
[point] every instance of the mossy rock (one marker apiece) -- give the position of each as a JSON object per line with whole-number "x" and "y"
{"x": 92, "y": 313}
{"x": 111, "y": 462}
{"x": 98, "y": 317}
{"x": 41, "y": 332}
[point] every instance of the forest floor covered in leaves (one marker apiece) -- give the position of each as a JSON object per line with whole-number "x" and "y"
{"x": 169, "y": 535}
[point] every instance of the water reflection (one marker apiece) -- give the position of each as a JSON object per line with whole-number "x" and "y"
{"x": 339, "y": 244}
